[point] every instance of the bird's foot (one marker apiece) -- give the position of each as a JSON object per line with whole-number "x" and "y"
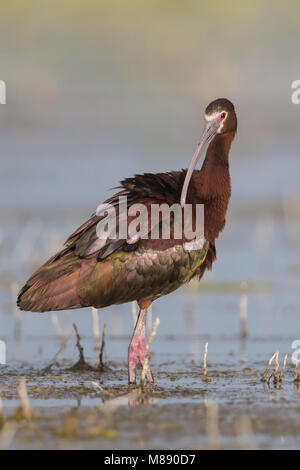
{"x": 138, "y": 351}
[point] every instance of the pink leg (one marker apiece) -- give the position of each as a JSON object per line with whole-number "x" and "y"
{"x": 137, "y": 348}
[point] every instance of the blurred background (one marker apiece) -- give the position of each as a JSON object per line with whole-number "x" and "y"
{"x": 100, "y": 90}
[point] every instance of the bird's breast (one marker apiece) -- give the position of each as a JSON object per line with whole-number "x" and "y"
{"x": 142, "y": 274}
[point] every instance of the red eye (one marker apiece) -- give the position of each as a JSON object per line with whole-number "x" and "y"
{"x": 223, "y": 115}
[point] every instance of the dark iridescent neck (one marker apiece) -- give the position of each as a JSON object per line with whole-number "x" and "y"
{"x": 215, "y": 169}
{"x": 218, "y": 150}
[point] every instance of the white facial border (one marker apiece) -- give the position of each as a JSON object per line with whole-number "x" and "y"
{"x": 213, "y": 116}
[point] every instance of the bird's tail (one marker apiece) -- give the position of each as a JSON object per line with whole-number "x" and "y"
{"x": 53, "y": 285}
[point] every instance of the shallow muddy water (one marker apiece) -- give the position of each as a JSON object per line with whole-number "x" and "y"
{"x": 232, "y": 408}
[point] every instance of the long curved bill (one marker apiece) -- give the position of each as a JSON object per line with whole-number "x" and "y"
{"x": 209, "y": 133}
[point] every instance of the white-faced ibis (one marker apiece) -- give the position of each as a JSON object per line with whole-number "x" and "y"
{"x": 99, "y": 273}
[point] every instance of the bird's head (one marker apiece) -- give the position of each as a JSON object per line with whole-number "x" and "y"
{"x": 220, "y": 115}
{"x": 220, "y": 118}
